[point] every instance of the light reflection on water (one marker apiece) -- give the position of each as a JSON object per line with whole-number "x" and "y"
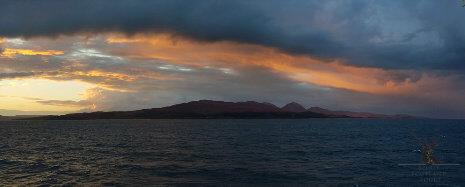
{"x": 316, "y": 152}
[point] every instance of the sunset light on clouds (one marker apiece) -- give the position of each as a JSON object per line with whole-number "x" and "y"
{"x": 387, "y": 57}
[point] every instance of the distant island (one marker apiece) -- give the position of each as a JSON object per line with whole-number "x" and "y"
{"x": 208, "y": 109}
{"x": 8, "y": 118}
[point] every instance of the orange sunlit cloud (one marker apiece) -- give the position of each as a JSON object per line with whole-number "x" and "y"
{"x": 231, "y": 54}
{"x": 158, "y": 65}
{"x": 224, "y": 55}
{"x": 10, "y": 52}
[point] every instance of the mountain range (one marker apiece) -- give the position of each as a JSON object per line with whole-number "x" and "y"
{"x": 208, "y": 109}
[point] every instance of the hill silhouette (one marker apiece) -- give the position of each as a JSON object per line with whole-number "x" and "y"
{"x": 203, "y": 109}
{"x": 215, "y": 107}
{"x": 359, "y": 114}
{"x": 208, "y": 109}
{"x": 294, "y": 107}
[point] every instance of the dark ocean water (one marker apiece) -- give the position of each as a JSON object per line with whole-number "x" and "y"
{"x": 308, "y": 152}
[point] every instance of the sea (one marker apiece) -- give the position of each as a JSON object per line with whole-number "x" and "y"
{"x": 230, "y": 152}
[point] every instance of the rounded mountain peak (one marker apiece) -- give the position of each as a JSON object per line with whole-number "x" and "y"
{"x": 294, "y": 107}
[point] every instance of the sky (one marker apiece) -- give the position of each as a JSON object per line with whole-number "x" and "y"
{"x": 390, "y": 57}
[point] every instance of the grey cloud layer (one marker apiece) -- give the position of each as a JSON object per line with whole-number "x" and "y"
{"x": 156, "y": 83}
{"x": 387, "y": 34}
{"x": 14, "y": 75}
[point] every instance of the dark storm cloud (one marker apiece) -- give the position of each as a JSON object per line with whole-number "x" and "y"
{"x": 399, "y": 77}
{"x": 201, "y": 20}
{"x": 413, "y": 35}
{"x": 410, "y": 36}
{"x": 431, "y": 34}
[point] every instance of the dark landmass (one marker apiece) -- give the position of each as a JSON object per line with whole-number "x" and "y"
{"x": 361, "y": 114}
{"x": 207, "y": 109}
{"x": 7, "y": 118}
{"x": 294, "y": 107}
{"x": 204, "y": 109}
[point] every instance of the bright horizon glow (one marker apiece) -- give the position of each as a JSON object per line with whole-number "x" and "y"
{"x": 22, "y": 95}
